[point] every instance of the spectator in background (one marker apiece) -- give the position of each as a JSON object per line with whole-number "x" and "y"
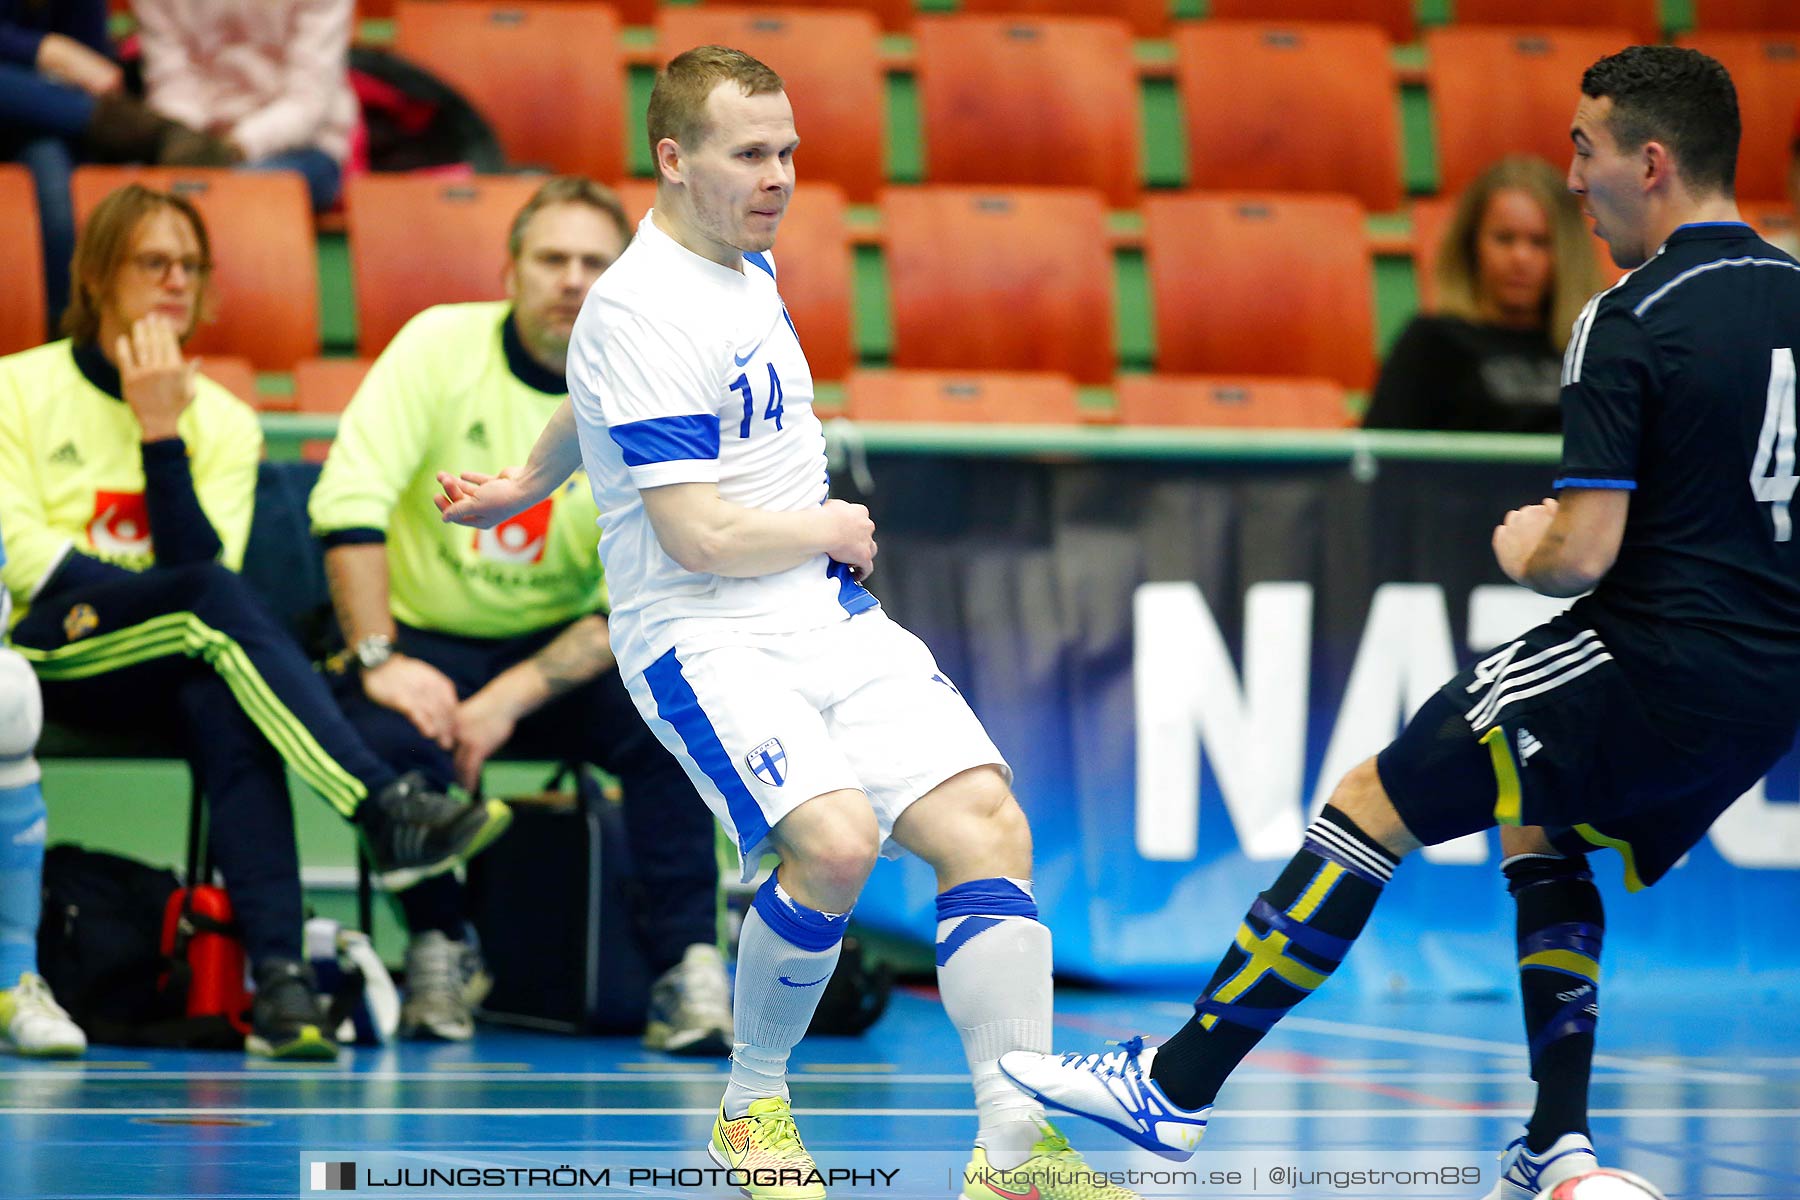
{"x": 1513, "y": 271}
{"x": 269, "y": 77}
{"x": 127, "y": 483}
{"x": 468, "y": 642}
{"x": 62, "y": 102}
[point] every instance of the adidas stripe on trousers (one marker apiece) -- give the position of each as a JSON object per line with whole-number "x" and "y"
{"x": 191, "y": 654}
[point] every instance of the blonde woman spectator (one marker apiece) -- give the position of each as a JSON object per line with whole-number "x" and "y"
{"x": 270, "y": 77}
{"x": 1514, "y": 269}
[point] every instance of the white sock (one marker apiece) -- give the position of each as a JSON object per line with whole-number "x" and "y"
{"x": 786, "y": 955}
{"x": 994, "y": 974}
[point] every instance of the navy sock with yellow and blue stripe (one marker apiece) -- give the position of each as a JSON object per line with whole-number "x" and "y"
{"x": 1560, "y": 928}
{"x": 1289, "y": 943}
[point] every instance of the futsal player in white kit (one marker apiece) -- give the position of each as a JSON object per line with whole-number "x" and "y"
{"x": 813, "y": 725}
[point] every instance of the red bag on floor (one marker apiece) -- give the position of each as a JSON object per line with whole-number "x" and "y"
{"x": 110, "y": 926}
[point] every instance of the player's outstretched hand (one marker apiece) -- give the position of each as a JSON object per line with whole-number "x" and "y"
{"x": 1516, "y": 538}
{"x": 481, "y": 501}
{"x": 855, "y": 532}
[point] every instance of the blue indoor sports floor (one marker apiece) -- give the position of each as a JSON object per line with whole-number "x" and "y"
{"x": 1700, "y": 1093}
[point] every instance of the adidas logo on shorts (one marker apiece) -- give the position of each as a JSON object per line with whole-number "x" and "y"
{"x": 1528, "y": 745}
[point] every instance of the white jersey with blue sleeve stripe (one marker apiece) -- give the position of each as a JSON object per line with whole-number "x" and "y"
{"x": 684, "y": 371}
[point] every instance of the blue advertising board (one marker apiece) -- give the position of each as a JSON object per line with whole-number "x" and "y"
{"x": 1181, "y": 659}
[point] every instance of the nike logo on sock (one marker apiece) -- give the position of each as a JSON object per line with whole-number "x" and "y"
{"x": 814, "y": 983}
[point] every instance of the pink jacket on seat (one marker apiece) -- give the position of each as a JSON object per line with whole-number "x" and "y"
{"x": 270, "y": 74}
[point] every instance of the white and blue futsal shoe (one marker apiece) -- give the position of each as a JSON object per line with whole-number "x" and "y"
{"x": 1114, "y": 1089}
{"x": 1525, "y": 1176}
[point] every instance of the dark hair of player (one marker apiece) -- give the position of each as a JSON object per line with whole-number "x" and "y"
{"x": 1680, "y": 98}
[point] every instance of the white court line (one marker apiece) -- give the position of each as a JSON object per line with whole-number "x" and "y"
{"x": 458, "y": 1076}
{"x": 1396, "y": 1075}
{"x": 1787, "y": 1063}
{"x": 1327, "y": 1114}
{"x": 1444, "y": 1041}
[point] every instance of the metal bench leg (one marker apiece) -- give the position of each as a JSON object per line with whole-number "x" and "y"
{"x": 199, "y": 846}
{"x": 365, "y": 894}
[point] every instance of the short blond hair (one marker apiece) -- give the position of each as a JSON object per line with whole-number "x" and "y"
{"x": 678, "y": 101}
{"x": 567, "y": 189}
{"x": 1574, "y": 272}
{"x": 104, "y": 242}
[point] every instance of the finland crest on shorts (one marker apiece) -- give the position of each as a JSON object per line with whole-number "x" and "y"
{"x": 768, "y": 762}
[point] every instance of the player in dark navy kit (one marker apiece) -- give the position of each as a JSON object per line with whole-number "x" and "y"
{"x": 1631, "y": 721}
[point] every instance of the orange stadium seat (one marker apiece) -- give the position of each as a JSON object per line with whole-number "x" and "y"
{"x": 1642, "y": 17}
{"x": 22, "y": 318}
{"x": 1232, "y": 402}
{"x": 1774, "y": 221}
{"x": 236, "y": 375}
{"x": 632, "y": 12}
{"x": 813, "y": 260}
{"x": 896, "y": 16}
{"x": 991, "y": 398}
{"x": 1766, "y": 70}
{"x": 550, "y": 77}
{"x": 1013, "y": 279}
{"x": 1293, "y": 108}
{"x": 1148, "y": 18}
{"x": 1261, "y": 285}
{"x": 637, "y": 196}
{"x": 325, "y": 385}
{"x": 1747, "y": 16}
{"x": 831, "y": 64}
{"x": 1478, "y": 122}
{"x": 1030, "y": 100}
{"x": 1394, "y": 16}
{"x": 265, "y": 264}
{"x": 417, "y": 241}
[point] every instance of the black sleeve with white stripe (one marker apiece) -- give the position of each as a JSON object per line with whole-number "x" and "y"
{"x": 1609, "y": 376}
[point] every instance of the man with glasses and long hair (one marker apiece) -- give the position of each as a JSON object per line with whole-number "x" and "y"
{"x": 127, "y": 483}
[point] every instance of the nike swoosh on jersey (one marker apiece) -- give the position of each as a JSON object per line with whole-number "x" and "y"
{"x": 746, "y": 358}
{"x": 814, "y": 983}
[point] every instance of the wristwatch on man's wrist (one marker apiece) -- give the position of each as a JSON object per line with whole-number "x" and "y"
{"x": 373, "y": 650}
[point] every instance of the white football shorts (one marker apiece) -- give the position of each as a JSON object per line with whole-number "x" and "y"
{"x": 769, "y": 722}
